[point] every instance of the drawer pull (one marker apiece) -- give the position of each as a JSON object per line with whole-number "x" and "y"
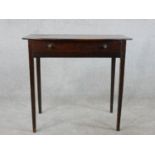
{"x": 50, "y": 45}
{"x": 104, "y": 46}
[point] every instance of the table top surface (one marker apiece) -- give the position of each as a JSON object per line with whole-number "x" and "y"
{"x": 75, "y": 37}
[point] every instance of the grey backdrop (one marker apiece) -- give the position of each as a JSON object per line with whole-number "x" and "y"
{"x": 76, "y": 91}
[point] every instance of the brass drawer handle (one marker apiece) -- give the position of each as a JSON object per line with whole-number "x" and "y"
{"x": 50, "y": 45}
{"x": 104, "y": 46}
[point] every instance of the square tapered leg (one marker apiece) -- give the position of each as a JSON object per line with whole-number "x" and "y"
{"x": 113, "y": 61}
{"x": 121, "y": 85}
{"x": 32, "y": 87}
{"x": 39, "y": 84}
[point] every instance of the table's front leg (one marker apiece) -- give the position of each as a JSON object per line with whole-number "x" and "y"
{"x": 121, "y": 84}
{"x": 32, "y": 87}
{"x": 39, "y": 83}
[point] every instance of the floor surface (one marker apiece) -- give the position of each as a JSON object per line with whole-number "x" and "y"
{"x": 78, "y": 115}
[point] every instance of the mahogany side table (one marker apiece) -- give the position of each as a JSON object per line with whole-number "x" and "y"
{"x": 76, "y": 46}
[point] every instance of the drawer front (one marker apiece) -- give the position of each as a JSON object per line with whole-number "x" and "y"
{"x": 48, "y": 48}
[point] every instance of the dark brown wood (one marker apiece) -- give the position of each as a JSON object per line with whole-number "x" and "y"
{"x": 94, "y": 46}
{"x": 58, "y": 48}
{"x": 113, "y": 61}
{"x": 121, "y": 83}
{"x": 75, "y": 37}
{"x": 39, "y": 84}
{"x": 32, "y": 86}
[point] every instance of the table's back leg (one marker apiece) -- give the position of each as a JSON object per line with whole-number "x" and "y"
{"x": 113, "y": 62}
{"x": 32, "y": 87}
{"x": 39, "y": 84}
{"x": 121, "y": 84}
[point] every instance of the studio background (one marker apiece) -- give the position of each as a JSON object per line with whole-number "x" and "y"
{"x": 76, "y": 92}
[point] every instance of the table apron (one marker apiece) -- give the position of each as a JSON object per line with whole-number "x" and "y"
{"x": 48, "y": 48}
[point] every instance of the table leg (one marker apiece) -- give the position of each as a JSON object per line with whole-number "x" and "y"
{"x": 121, "y": 83}
{"x": 32, "y": 86}
{"x": 39, "y": 84}
{"x": 113, "y": 62}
